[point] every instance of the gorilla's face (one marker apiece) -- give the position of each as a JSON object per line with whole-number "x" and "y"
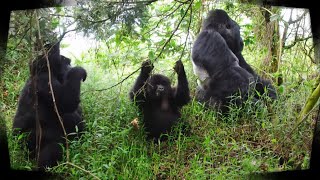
{"x": 64, "y": 67}
{"x": 158, "y": 87}
{"x": 228, "y": 29}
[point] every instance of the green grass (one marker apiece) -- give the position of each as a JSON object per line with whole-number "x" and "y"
{"x": 216, "y": 148}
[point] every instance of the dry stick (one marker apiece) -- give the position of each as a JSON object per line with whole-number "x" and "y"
{"x": 35, "y": 99}
{"x": 51, "y": 88}
{"x": 76, "y": 166}
{"x": 135, "y": 2}
{"x": 38, "y": 125}
{"x": 162, "y": 49}
{"x": 114, "y": 84}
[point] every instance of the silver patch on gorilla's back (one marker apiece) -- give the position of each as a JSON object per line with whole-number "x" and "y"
{"x": 200, "y": 72}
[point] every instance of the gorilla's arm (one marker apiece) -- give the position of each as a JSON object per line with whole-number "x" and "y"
{"x": 211, "y": 52}
{"x": 137, "y": 92}
{"x": 67, "y": 95}
{"x": 262, "y": 85}
{"x": 265, "y": 86}
{"x": 182, "y": 94}
{"x": 244, "y": 64}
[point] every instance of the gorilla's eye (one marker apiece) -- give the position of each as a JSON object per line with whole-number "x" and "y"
{"x": 228, "y": 26}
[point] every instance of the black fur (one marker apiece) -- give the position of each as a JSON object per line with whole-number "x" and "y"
{"x": 159, "y": 103}
{"x": 66, "y": 81}
{"x": 226, "y": 78}
{"x": 220, "y": 21}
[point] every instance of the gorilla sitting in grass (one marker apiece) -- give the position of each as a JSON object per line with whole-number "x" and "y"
{"x": 219, "y": 21}
{"x": 36, "y": 104}
{"x": 227, "y": 82}
{"x": 160, "y": 103}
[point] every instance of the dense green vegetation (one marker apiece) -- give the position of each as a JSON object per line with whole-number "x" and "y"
{"x": 250, "y": 139}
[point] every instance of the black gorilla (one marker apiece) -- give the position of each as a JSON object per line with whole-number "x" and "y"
{"x": 160, "y": 103}
{"x": 225, "y": 78}
{"x": 35, "y": 102}
{"x": 220, "y": 21}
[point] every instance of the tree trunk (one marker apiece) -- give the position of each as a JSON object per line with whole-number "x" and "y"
{"x": 271, "y": 40}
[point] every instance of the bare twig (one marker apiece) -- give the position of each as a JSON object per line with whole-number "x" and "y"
{"x": 51, "y": 88}
{"x": 104, "y": 20}
{"x": 298, "y": 19}
{"x": 188, "y": 31}
{"x": 134, "y": 2}
{"x": 165, "y": 16}
{"x": 174, "y": 31}
{"x": 64, "y": 33}
{"x": 116, "y": 83}
{"x": 35, "y": 100}
{"x": 78, "y": 167}
{"x": 183, "y": 2}
{"x": 24, "y": 35}
{"x": 161, "y": 51}
{"x": 296, "y": 40}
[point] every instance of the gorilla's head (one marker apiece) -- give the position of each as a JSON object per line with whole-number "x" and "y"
{"x": 65, "y": 66}
{"x": 158, "y": 87}
{"x": 220, "y": 21}
{"x": 59, "y": 64}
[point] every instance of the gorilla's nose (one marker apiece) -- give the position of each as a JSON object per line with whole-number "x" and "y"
{"x": 160, "y": 88}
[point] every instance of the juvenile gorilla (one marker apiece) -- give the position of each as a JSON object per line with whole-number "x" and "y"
{"x": 226, "y": 78}
{"x": 158, "y": 101}
{"x": 219, "y": 21}
{"x": 35, "y": 102}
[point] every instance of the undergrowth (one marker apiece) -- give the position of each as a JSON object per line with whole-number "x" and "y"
{"x": 250, "y": 139}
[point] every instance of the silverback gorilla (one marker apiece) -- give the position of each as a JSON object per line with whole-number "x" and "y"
{"x": 219, "y": 64}
{"x": 159, "y": 103}
{"x": 35, "y": 103}
{"x": 225, "y": 77}
{"x": 220, "y": 21}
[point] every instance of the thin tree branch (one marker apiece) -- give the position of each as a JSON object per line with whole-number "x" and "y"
{"x": 188, "y": 30}
{"x": 164, "y": 18}
{"x": 298, "y": 19}
{"x": 78, "y": 167}
{"x": 134, "y": 2}
{"x": 295, "y": 42}
{"x": 116, "y": 83}
{"x": 35, "y": 100}
{"x": 168, "y": 40}
{"x": 174, "y": 31}
{"x": 24, "y": 35}
{"x": 66, "y": 32}
{"x": 183, "y": 2}
{"x": 51, "y": 88}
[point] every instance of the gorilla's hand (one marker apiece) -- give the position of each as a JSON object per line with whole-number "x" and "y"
{"x": 178, "y": 68}
{"x": 77, "y": 73}
{"x": 147, "y": 67}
